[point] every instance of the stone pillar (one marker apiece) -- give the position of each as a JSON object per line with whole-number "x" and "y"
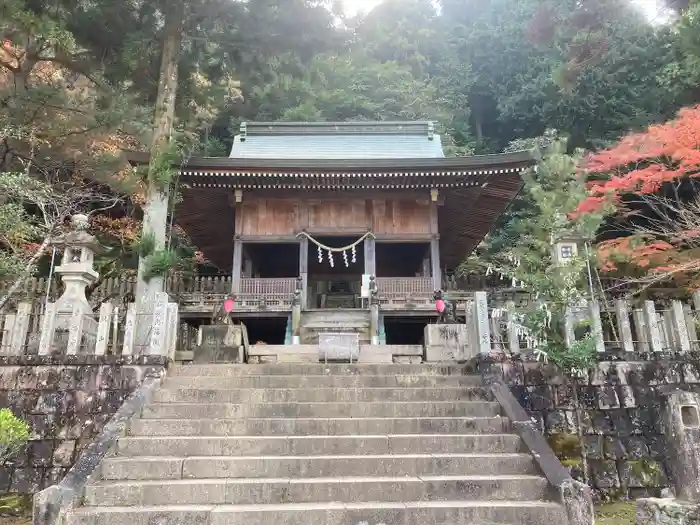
{"x": 680, "y": 327}
{"x": 681, "y": 416}
{"x": 623, "y": 325}
{"x": 20, "y": 327}
{"x": 103, "y": 328}
{"x": 652, "y": 322}
{"x": 481, "y": 322}
{"x": 296, "y": 314}
{"x": 597, "y": 326}
{"x": 373, "y": 312}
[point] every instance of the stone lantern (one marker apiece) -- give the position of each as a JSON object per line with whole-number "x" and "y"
{"x": 77, "y": 266}
{"x": 566, "y": 248}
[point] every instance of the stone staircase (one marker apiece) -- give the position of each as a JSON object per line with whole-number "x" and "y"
{"x": 314, "y": 444}
{"x": 314, "y": 322}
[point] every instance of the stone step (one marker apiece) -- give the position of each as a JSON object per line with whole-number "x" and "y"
{"x": 320, "y": 381}
{"x": 307, "y": 395}
{"x": 318, "y": 427}
{"x": 331, "y": 314}
{"x": 306, "y": 490}
{"x": 398, "y": 513}
{"x": 318, "y": 445}
{"x": 153, "y": 468}
{"x": 322, "y": 410}
{"x": 335, "y": 325}
{"x": 301, "y": 369}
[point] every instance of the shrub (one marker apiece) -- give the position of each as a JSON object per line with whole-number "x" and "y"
{"x": 14, "y": 434}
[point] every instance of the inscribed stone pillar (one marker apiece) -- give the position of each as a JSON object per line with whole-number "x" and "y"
{"x": 682, "y": 424}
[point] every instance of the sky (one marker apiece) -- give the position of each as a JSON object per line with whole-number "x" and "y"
{"x": 352, "y": 7}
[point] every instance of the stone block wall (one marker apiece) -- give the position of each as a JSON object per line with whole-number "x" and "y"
{"x": 617, "y": 428}
{"x": 66, "y": 400}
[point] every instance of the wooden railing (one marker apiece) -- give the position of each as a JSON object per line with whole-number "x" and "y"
{"x": 396, "y": 293}
{"x": 268, "y": 286}
{"x": 392, "y": 286}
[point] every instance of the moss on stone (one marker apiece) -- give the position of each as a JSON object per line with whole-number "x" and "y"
{"x": 572, "y": 462}
{"x": 566, "y": 446}
{"x": 648, "y": 472}
{"x": 15, "y": 504}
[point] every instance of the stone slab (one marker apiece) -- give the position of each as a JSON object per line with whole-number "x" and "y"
{"x": 318, "y": 445}
{"x": 316, "y": 490}
{"x": 317, "y": 427}
{"x": 412, "y": 513}
{"x": 320, "y": 466}
{"x": 448, "y": 343}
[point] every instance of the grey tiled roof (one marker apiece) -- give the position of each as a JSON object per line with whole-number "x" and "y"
{"x": 346, "y": 140}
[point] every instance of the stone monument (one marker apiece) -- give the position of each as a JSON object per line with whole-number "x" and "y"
{"x": 681, "y": 419}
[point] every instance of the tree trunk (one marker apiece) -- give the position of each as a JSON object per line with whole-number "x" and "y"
{"x": 27, "y": 271}
{"x": 156, "y": 209}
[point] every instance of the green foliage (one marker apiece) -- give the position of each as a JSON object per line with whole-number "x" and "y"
{"x": 145, "y": 245}
{"x": 14, "y": 434}
{"x": 159, "y": 263}
{"x": 163, "y": 168}
{"x": 553, "y": 191}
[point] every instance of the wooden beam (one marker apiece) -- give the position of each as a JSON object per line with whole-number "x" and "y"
{"x": 329, "y": 195}
{"x": 282, "y": 239}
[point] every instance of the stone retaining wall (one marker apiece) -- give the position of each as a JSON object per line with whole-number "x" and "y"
{"x": 618, "y": 427}
{"x": 66, "y": 400}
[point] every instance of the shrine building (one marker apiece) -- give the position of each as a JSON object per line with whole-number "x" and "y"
{"x": 328, "y": 208}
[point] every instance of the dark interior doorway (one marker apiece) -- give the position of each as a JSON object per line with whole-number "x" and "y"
{"x": 405, "y": 330}
{"x": 269, "y": 330}
{"x": 270, "y": 260}
{"x": 337, "y": 285}
{"x": 403, "y": 259}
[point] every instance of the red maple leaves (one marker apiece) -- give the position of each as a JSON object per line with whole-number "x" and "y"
{"x": 643, "y": 162}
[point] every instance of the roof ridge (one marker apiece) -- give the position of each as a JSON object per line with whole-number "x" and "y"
{"x": 421, "y": 128}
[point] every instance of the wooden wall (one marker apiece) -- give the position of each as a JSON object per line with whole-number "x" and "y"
{"x": 269, "y": 216}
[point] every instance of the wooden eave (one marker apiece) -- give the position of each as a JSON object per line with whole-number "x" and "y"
{"x": 475, "y": 192}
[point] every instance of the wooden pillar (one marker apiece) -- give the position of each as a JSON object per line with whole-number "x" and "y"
{"x": 370, "y": 256}
{"x": 435, "y": 244}
{"x": 237, "y": 265}
{"x": 435, "y": 263}
{"x": 304, "y": 269}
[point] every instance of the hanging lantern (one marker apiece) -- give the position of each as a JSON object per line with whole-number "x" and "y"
{"x": 440, "y": 305}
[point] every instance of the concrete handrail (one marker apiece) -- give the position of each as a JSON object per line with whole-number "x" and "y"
{"x": 574, "y": 495}
{"x": 51, "y": 505}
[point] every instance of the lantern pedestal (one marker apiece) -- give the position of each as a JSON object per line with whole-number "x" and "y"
{"x": 448, "y": 343}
